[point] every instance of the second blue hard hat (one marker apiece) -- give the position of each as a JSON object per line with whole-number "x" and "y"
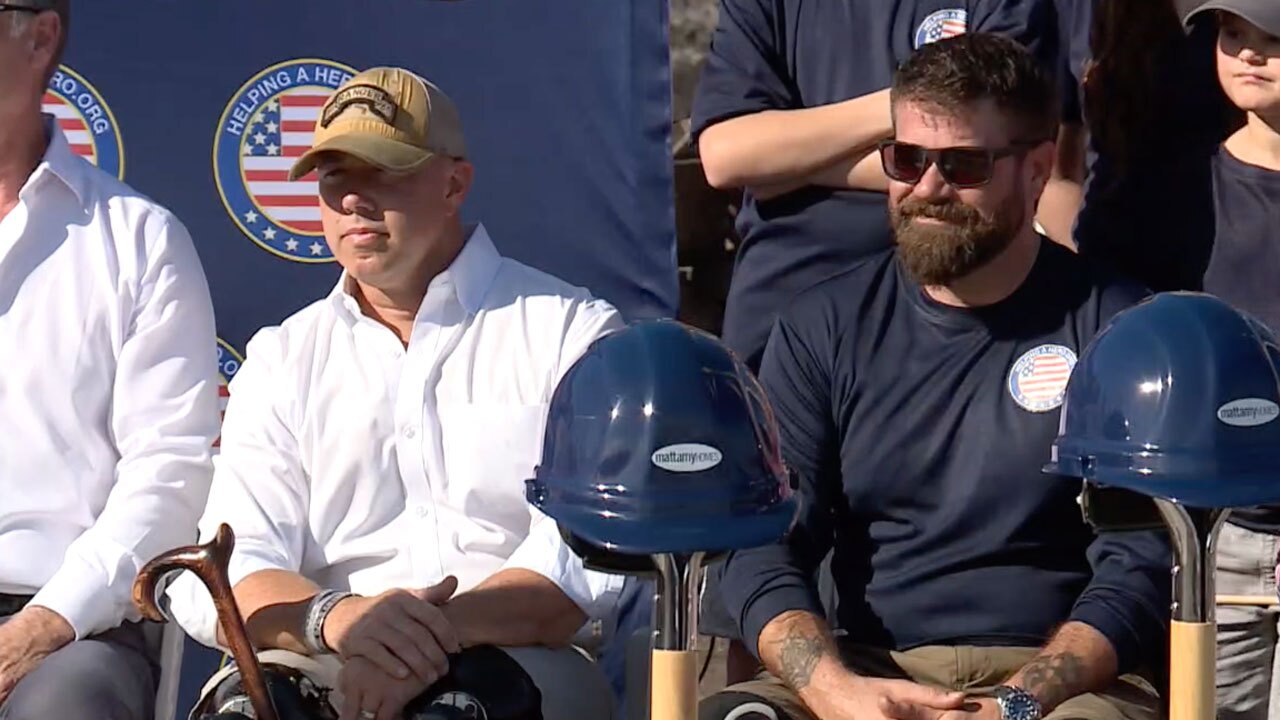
{"x": 1177, "y": 397}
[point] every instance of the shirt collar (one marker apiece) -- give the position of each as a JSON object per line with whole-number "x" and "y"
{"x": 468, "y": 277}
{"x": 59, "y": 161}
{"x": 475, "y": 267}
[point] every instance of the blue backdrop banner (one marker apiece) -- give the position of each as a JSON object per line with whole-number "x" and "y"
{"x": 203, "y": 106}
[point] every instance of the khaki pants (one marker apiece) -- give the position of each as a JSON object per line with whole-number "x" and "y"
{"x": 968, "y": 668}
{"x": 1248, "y": 663}
{"x": 572, "y": 686}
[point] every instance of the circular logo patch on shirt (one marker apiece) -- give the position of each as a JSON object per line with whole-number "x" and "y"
{"x": 229, "y": 362}
{"x": 269, "y": 122}
{"x": 940, "y": 25}
{"x": 1038, "y": 380}
{"x": 85, "y": 120}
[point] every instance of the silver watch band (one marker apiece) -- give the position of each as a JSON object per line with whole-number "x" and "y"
{"x": 1017, "y": 704}
{"x": 317, "y": 610}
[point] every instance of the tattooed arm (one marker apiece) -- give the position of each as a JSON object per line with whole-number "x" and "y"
{"x": 796, "y": 645}
{"x": 1078, "y": 659}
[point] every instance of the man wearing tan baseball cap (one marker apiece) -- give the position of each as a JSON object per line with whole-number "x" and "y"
{"x": 376, "y": 443}
{"x": 387, "y": 117}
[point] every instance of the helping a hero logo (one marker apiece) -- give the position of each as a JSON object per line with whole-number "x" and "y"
{"x": 940, "y": 25}
{"x": 85, "y": 120}
{"x": 229, "y": 362}
{"x": 1038, "y": 380}
{"x": 269, "y": 123}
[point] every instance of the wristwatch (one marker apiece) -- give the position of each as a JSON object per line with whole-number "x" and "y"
{"x": 1017, "y": 704}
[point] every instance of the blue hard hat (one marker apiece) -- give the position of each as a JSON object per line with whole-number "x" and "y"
{"x": 1178, "y": 398}
{"x": 659, "y": 440}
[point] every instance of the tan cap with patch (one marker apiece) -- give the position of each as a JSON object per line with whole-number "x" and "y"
{"x": 388, "y": 117}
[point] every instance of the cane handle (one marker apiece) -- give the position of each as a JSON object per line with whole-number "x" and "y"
{"x": 209, "y": 562}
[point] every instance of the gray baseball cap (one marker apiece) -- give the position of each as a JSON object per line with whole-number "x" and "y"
{"x": 1263, "y": 13}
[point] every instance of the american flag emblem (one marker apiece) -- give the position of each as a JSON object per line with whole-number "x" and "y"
{"x": 1038, "y": 380}
{"x": 85, "y": 120}
{"x": 229, "y": 362}
{"x": 268, "y": 124}
{"x": 940, "y": 25}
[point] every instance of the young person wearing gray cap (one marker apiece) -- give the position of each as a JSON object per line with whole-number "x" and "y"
{"x": 376, "y": 443}
{"x": 108, "y": 401}
{"x": 1241, "y": 270}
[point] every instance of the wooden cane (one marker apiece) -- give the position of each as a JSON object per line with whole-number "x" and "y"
{"x": 209, "y": 562}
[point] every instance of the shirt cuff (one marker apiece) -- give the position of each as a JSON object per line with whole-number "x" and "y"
{"x": 545, "y": 553}
{"x": 760, "y": 611}
{"x": 190, "y": 603}
{"x": 81, "y": 593}
{"x": 1125, "y": 639}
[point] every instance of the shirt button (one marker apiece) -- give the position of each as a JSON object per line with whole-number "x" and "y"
{"x": 421, "y": 510}
{"x": 409, "y": 432}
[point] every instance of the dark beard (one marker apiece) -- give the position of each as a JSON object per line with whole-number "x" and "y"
{"x": 942, "y": 254}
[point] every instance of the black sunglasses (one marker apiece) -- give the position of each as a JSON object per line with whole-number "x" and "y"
{"x": 961, "y": 167}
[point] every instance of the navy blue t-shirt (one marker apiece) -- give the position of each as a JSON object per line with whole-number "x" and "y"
{"x": 1152, "y": 221}
{"x": 1244, "y": 265}
{"x": 918, "y": 433}
{"x": 790, "y": 54}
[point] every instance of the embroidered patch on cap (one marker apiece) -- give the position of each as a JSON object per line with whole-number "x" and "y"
{"x": 1038, "y": 380}
{"x": 378, "y": 102}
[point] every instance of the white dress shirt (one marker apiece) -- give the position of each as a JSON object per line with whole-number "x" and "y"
{"x": 108, "y": 389}
{"x": 365, "y": 465}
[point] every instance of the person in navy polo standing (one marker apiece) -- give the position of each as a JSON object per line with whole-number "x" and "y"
{"x": 789, "y": 107}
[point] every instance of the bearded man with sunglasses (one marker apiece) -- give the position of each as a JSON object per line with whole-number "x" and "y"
{"x": 917, "y": 396}
{"x": 108, "y": 402}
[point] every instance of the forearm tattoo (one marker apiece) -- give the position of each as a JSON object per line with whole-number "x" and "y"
{"x": 1054, "y": 678}
{"x": 798, "y": 654}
